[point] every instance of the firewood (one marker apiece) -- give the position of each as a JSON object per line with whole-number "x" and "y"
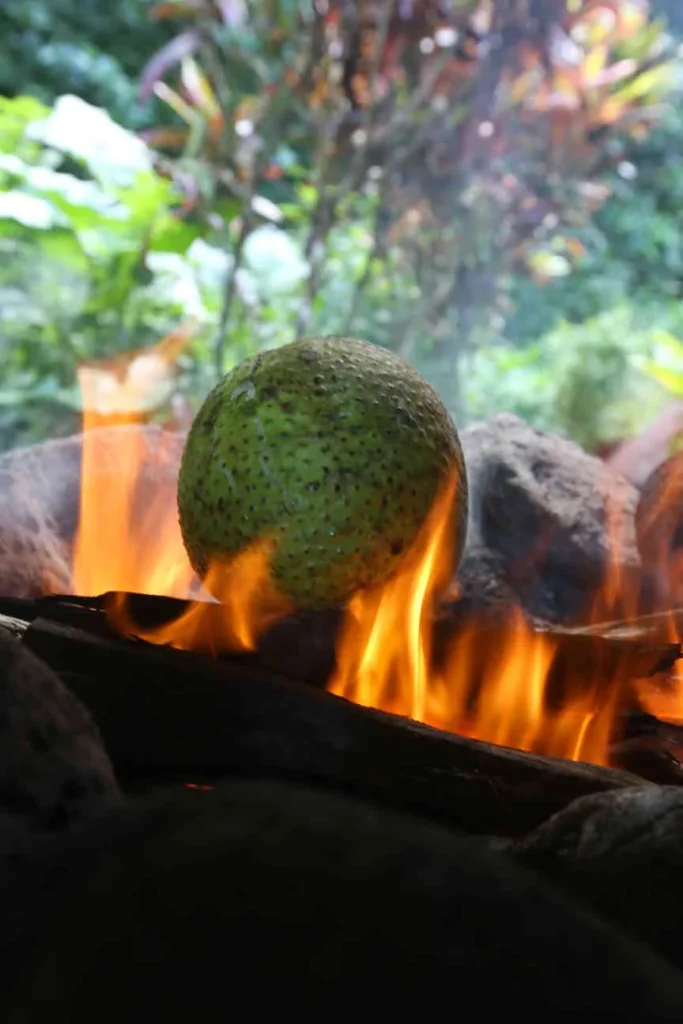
{"x": 303, "y": 647}
{"x": 168, "y": 715}
{"x": 653, "y": 627}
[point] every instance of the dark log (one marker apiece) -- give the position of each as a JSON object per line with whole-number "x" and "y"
{"x": 302, "y": 647}
{"x": 168, "y": 715}
{"x": 651, "y": 628}
{"x": 648, "y": 757}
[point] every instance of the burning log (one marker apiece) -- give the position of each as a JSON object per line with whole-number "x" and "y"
{"x": 604, "y": 672}
{"x": 168, "y": 715}
{"x": 302, "y": 646}
{"x": 653, "y": 627}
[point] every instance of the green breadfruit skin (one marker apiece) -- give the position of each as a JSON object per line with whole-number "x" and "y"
{"x": 335, "y": 447}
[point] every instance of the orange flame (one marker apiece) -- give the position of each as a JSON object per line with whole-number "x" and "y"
{"x": 492, "y": 685}
{"x": 128, "y": 538}
{"x": 248, "y": 603}
{"x": 385, "y": 645}
{"x": 495, "y": 684}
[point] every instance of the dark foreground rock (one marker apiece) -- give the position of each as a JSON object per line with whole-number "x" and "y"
{"x": 54, "y": 771}
{"x": 620, "y": 853}
{"x": 296, "y": 898}
{"x": 546, "y": 520}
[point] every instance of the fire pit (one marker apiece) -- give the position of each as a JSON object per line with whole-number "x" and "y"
{"x": 491, "y": 670}
{"x": 547, "y": 676}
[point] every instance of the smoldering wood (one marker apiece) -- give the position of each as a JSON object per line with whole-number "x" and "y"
{"x": 302, "y": 647}
{"x": 649, "y": 756}
{"x": 175, "y": 716}
{"x": 651, "y": 627}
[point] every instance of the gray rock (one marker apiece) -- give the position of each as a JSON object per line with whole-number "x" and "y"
{"x": 39, "y": 500}
{"x": 621, "y": 853}
{"x": 54, "y": 770}
{"x": 538, "y": 529}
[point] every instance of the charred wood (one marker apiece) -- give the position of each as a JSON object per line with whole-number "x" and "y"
{"x": 175, "y": 716}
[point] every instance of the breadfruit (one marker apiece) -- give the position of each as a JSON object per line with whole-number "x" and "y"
{"x": 333, "y": 447}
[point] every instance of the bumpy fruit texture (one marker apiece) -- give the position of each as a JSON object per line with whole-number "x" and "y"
{"x": 334, "y": 447}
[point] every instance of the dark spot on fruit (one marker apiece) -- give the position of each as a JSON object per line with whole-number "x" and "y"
{"x": 396, "y": 547}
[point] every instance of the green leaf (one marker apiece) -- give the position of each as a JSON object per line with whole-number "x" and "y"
{"x": 30, "y": 211}
{"x": 170, "y": 234}
{"x": 61, "y": 247}
{"x": 113, "y": 155}
{"x": 671, "y": 379}
{"x": 15, "y": 115}
{"x": 146, "y": 196}
{"x": 650, "y": 83}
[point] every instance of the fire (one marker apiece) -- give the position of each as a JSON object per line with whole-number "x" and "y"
{"x": 497, "y": 683}
{"x": 493, "y": 684}
{"x": 384, "y": 650}
{"x": 248, "y": 603}
{"x": 128, "y": 538}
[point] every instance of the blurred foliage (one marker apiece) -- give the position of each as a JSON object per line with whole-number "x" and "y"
{"x": 596, "y": 382}
{"x": 672, "y": 11}
{"x": 665, "y": 363}
{"x": 83, "y": 214}
{"x": 632, "y": 249}
{"x": 95, "y": 51}
{"x": 473, "y": 144}
{"x": 490, "y": 189}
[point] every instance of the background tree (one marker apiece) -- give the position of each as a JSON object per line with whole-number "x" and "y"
{"x": 489, "y": 187}
{"x": 93, "y": 50}
{"x": 471, "y": 140}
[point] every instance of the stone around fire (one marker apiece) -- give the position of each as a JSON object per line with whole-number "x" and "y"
{"x": 620, "y": 853}
{"x": 39, "y": 501}
{"x": 54, "y": 770}
{"x": 546, "y": 519}
{"x": 270, "y": 894}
